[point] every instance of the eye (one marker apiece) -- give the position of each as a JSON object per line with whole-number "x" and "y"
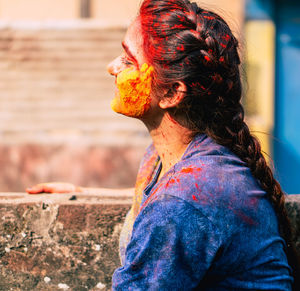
{"x": 126, "y": 61}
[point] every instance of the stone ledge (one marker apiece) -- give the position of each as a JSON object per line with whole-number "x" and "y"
{"x": 293, "y": 209}
{"x": 68, "y": 241}
{"x": 65, "y": 199}
{"x": 49, "y": 242}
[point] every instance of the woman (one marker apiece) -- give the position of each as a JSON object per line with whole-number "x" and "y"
{"x": 208, "y": 213}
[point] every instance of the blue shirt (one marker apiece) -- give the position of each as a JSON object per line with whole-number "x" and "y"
{"x": 205, "y": 225}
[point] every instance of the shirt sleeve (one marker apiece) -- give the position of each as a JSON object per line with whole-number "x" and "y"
{"x": 171, "y": 248}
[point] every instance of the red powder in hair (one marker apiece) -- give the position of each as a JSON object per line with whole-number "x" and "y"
{"x": 226, "y": 37}
{"x": 194, "y": 198}
{"x": 217, "y": 78}
{"x": 209, "y": 17}
{"x": 187, "y": 61}
{"x": 181, "y": 18}
{"x": 180, "y": 48}
{"x": 178, "y": 26}
{"x": 207, "y": 58}
{"x": 196, "y": 84}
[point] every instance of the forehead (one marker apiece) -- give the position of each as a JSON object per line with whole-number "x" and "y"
{"x": 134, "y": 40}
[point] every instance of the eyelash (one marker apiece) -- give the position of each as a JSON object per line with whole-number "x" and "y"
{"x": 126, "y": 61}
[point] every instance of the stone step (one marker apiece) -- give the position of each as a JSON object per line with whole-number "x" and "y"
{"x": 61, "y": 114}
{"x": 10, "y": 97}
{"x": 114, "y": 127}
{"x": 81, "y": 54}
{"x": 47, "y": 45}
{"x": 98, "y": 83}
{"x": 54, "y": 84}
{"x": 63, "y": 34}
{"x": 75, "y": 137}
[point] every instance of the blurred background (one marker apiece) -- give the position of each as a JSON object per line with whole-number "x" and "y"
{"x": 55, "y": 118}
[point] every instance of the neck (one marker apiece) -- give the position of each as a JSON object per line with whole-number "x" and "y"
{"x": 170, "y": 140}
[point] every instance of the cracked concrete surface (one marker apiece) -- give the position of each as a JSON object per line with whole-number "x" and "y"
{"x": 49, "y": 242}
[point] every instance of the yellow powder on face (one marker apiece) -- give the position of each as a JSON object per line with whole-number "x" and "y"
{"x": 134, "y": 87}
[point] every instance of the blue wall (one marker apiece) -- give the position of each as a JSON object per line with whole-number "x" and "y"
{"x": 287, "y": 101}
{"x": 286, "y": 136}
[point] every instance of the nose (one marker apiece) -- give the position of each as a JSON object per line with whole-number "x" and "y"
{"x": 114, "y": 66}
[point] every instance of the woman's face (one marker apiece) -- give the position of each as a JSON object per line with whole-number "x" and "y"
{"x": 133, "y": 76}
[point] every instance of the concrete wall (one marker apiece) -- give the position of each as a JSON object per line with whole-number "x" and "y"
{"x": 38, "y": 9}
{"x": 113, "y": 166}
{"x": 113, "y": 11}
{"x": 52, "y": 242}
{"x": 55, "y": 98}
{"x": 55, "y": 93}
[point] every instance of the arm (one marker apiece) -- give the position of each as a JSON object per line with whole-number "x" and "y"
{"x": 172, "y": 247}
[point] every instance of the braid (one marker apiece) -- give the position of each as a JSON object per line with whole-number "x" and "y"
{"x": 248, "y": 148}
{"x": 197, "y": 47}
{"x": 236, "y": 135}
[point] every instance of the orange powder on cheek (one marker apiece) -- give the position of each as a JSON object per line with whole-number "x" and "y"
{"x": 134, "y": 88}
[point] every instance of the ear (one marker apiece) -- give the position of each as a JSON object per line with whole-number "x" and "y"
{"x": 174, "y": 96}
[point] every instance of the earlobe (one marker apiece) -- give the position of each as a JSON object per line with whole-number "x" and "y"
{"x": 174, "y": 96}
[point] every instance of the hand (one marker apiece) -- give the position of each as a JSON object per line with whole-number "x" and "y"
{"x": 55, "y": 187}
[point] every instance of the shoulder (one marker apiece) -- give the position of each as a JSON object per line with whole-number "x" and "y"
{"x": 216, "y": 182}
{"x": 212, "y": 178}
{"x": 166, "y": 207}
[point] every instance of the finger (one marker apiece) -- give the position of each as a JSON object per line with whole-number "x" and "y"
{"x": 50, "y": 187}
{"x": 65, "y": 188}
{"x": 59, "y": 187}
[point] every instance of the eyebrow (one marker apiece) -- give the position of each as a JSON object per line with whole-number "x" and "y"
{"x": 129, "y": 53}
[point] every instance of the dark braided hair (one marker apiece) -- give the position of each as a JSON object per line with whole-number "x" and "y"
{"x": 186, "y": 43}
